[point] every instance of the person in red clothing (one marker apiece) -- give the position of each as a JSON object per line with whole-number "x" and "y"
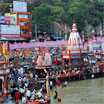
{"x": 55, "y": 61}
{"x": 17, "y": 96}
{"x": 58, "y": 82}
{"x": 57, "y": 91}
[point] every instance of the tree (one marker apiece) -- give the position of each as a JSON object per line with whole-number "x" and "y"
{"x": 44, "y": 15}
{"x": 64, "y": 12}
{"x": 78, "y": 11}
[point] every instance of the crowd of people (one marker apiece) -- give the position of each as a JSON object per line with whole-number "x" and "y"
{"x": 25, "y": 86}
{"x": 28, "y": 83}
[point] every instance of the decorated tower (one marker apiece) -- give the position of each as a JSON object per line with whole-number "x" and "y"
{"x": 74, "y": 41}
{"x": 73, "y": 53}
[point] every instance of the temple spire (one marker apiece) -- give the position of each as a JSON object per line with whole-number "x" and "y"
{"x": 74, "y": 41}
{"x": 74, "y": 27}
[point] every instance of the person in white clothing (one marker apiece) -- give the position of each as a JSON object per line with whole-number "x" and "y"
{"x": 28, "y": 94}
{"x": 24, "y": 99}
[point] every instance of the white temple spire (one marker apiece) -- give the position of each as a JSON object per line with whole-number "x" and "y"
{"x": 74, "y": 41}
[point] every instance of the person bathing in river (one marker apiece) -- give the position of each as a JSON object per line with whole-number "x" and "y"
{"x": 56, "y": 97}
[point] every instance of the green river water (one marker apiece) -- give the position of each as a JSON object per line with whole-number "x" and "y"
{"x": 82, "y": 92}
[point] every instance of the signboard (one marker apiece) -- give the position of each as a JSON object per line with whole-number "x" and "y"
{"x": 19, "y": 6}
{"x": 12, "y": 17}
{"x": 10, "y": 29}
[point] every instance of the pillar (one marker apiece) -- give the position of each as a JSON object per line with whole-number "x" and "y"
{"x": 5, "y": 86}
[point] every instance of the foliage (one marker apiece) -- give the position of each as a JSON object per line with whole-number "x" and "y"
{"x": 65, "y": 11}
{"x": 83, "y": 12}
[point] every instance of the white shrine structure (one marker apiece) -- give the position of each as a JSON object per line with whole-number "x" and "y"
{"x": 74, "y": 41}
{"x": 74, "y": 49}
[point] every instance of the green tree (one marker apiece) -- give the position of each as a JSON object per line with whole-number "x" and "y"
{"x": 44, "y": 15}
{"x": 78, "y": 11}
{"x": 83, "y": 12}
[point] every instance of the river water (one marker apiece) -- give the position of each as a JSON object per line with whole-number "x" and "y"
{"x": 83, "y": 92}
